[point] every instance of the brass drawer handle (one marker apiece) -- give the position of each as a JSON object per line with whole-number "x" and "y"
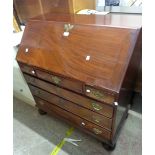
{"x": 98, "y": 94}
{"x": 97, "y": 120}
{"x": 95, "y": 93}
{"x": 56, "y": 80}
{"x": 96, "y": 106}
{"x": 97, "y": 131}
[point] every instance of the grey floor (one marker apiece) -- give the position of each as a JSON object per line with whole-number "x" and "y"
{"x": 38, "y": 135}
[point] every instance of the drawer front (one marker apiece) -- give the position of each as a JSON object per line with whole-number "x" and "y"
{"x": 99, "y": 95}
{"x": 73, "y": 108}
{"x": 98, "y": 107}
{"x": 63, "y": 82}
{"x": 79, "y": 122}
{"x": 27, "y": 69}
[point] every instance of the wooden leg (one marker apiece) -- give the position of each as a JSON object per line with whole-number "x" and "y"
{"x": 108, "y": 147}
{"x": 41, "y": 112}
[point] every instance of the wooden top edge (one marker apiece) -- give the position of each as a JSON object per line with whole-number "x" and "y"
{"x": 132, "y": 21}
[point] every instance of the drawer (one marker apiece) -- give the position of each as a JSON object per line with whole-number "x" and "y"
{"x": 98, "y": 107}
{"x": 63, "y": 82}
{"x": 77, "y": 121}
{"x": 73, "y": 108}
{"x": 27, "y": 69}
{"x": 99, "y": 95}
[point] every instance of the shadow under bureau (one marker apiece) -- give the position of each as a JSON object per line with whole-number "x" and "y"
{"x": 82, "y": 69}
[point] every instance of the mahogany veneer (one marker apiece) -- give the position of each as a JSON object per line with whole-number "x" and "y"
{"x": 82, "y": 68}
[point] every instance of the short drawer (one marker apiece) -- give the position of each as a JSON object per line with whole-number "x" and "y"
{"x": 99, "y": 95}
{"x": 27, "y": 69}
{"x": 60, "y": 81}
{"x": 97, "y": 107}
{"x": 73, "y": 108}
{"x": 75, "y": 120}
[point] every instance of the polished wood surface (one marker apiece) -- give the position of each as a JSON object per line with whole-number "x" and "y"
{"x": 73, "y": 97}
{"x": 75, "y": 120}
{"x": 27, "y": 69}
{"x": 99, "y": 95}
{"x": 73, "y": 108}
{"x": 131, "y": 21}
{"x": 83, "y": 68}
{"x": 138, "y": 84}
{"x": 61, "y": 81}
{"x": 110, "y": 51}
{"x": 134, "y": 65}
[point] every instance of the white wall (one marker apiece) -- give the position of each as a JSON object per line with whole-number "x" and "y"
{"x": 20, "y": 87}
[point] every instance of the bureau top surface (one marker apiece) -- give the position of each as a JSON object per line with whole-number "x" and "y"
{"x": 111, "y": 19}
{"x": 96, "y": 55}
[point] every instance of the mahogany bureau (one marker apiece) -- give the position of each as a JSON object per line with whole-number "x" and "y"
{"x": 82, "y": 69}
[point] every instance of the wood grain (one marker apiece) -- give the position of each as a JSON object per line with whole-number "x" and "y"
{"x": 109, "y": 52}
{"x": 70, "y": 84}
{"x": 75, "y": 120}
{"x": 73, "y": 97}
{"x": 87, "y": 74}
{"x": 73, "y": 108}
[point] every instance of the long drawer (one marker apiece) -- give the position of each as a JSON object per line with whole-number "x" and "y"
{"x": 93, "y": 105}
{"x": 70, "y": 84}
{"x": 61, "y": 81}
{"x": 27, "y": 69}
{"x": 79, "y": 122}
{"x": 73, "y": 108}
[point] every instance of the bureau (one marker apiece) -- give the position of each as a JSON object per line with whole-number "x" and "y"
{"x": 82, "y": 69}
